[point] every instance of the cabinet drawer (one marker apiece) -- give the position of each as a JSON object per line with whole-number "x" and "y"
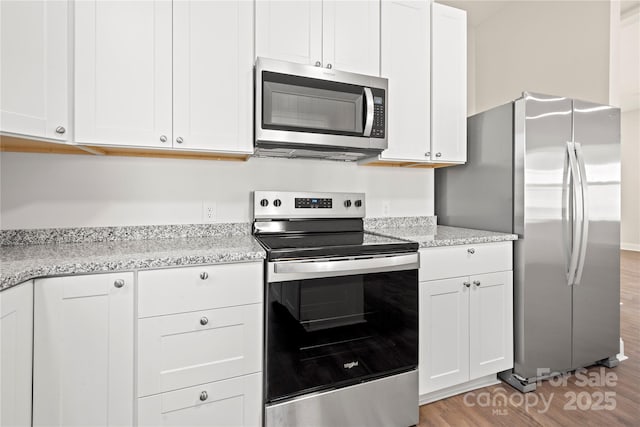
{"x": 181, "y": 350}
{"x": 464, "y": 260}
{"x": 234, "y": 402}
{"x": 180, "y": 290}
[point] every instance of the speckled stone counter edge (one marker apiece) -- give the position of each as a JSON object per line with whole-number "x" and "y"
{"x": 67, "y": 269}
{"x": 43, "y": 236}
{"x": 399, "y": 222}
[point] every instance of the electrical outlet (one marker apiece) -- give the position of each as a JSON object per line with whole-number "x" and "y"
{"x": 386, "y": 207}
{"x": 208, "y": 212}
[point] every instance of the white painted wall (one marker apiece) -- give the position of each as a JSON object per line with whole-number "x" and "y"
{"x": 553, "y": 47}
{"x": 41, "y": 191}
{"x": 630, "y": 224}
{"x": 628, "y": 83}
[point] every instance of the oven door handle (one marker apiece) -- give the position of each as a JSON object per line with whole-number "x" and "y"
{"x": 351, "y": 266}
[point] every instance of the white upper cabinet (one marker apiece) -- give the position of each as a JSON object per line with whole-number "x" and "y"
{"x": 165, "y": 74}
{"x": 16, "y": 337}
{"x": 34, "y": 69}
{"x": 213, "y": 75}
{"x": 344, "y": 35}
{"x": 289, "y": 30}
{"x": 351, "y": 36}
{"x": 405, "y": 62}
{"x": 123, "y": 72}
{"x": 424, "y": 56}
{"x": 448, "y": 84}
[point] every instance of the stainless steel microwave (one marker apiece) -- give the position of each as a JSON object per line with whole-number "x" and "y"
{"x": 314, "y": 112}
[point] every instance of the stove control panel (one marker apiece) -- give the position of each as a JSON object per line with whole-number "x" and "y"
{"x": 292, "y": 205}
{"x": 308, "y": 202}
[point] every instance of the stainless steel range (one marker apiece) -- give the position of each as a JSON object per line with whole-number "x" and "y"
{"x": 341, "y": 315}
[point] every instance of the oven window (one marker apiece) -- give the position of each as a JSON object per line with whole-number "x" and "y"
{"x": 300, "y": 104}
{"x": 332, "y": 332}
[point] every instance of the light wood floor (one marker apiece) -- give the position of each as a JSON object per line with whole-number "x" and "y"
{"x": 626, "y": 392}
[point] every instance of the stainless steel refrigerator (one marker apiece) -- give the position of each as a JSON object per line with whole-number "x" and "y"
{"x": 547, "y": 168}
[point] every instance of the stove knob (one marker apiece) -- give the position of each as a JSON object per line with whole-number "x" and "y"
{"x": 264, "y": 202}
{"x": 277, "y": 202}
{"x": 347, "y": 203}
{"x": 358, "y": 203}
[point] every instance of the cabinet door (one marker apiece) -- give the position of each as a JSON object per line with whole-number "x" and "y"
{"x": 405, "y": 62}
{"x": 16, "y": 335}
{"x": 491, "y": 323}
{"x": 213, "y": 75}
{"x": 448, "y": 84}
{"x": 123, "y": 72}
{"x": 444, "y": 334}
{"x": 83, "y": 350}
{"x": 34, "y": 68}
{"x": 289, "y": 30}
{"x": 351, "y": 35}
{"x": 180, "y": 350}
{"x": 233, "y": 402}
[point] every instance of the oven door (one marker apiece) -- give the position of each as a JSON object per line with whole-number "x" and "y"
{"x": 332, "y": 323}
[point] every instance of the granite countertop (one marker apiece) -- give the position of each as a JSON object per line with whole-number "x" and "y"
{"x": 23, "y": 262}
{"x": 429, "y": 235}
{"x": 28, "y": 254}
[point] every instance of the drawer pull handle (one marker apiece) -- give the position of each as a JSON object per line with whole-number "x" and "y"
{"x": 204, "y": 396}
{"x": 467, "y": 284}
{"x": 204, "y": 275}
{"x": 471, "y": 251}
{"x": 118, "y": 283}
{"x": 204, "y": 320}
{"x": 476, "y": 282}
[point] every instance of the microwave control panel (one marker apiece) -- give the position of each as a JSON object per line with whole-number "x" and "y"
{"x": 377, "y": 130}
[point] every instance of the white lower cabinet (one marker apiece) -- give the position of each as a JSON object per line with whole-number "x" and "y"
{"x": 466, "y": 322}
{"x": 444, "y": 334}
{"x": 180, "y": 350}
{"x": 233, "y": 402}
{"x": 16, "y": 336}
{"x": 84, "y": 350}
{"x": 200, "y": 346}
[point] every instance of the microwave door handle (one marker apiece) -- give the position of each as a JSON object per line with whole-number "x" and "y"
{"x": 368, "y": 124}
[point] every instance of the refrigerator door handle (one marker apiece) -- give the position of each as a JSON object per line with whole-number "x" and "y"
{"x": 585, "y": 211}
{"x": 577, "y": 214}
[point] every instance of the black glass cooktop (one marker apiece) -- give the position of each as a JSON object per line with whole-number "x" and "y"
{"x": 323, "y": 245}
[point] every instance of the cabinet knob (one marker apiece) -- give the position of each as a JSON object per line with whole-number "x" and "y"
{"x": 118, "y": 283}
{"x": 179, "y": 140}
{"x": 471, "y": 251}
{"x": 438, "y": 154}
{"x": 318, "y": 64}
{"x": 476, "y": 282}
{"x": 329, "y": 66}
{"x": 427, "y": 154}
{"x": 163, "y": 138}
{"x": 60, "y": 130}
{"x": 204, "y": 275}
{"x": 467, "y": 284}
{"x": 204, "y": 396}
{"x": 204, "y": 320}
